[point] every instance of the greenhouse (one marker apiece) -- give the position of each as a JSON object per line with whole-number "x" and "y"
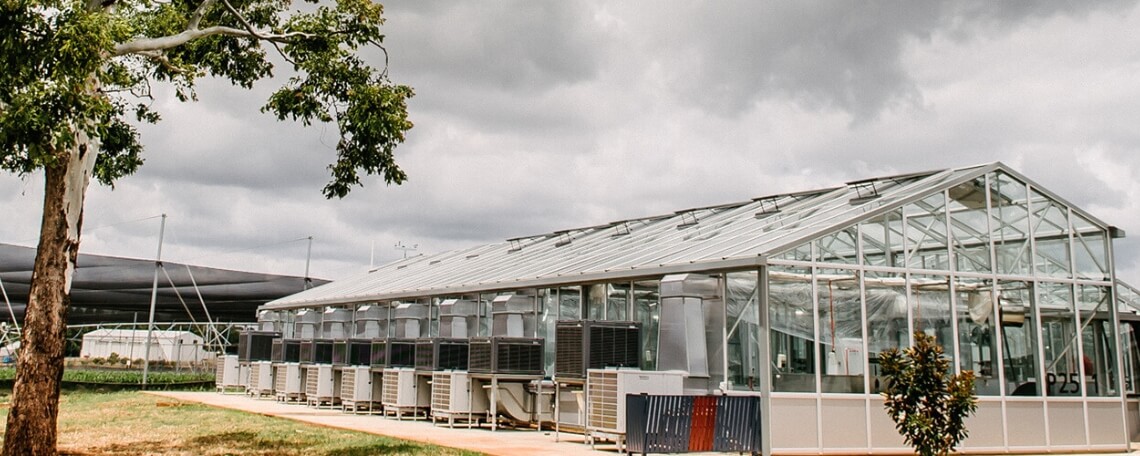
{"x": 787, "y": 297}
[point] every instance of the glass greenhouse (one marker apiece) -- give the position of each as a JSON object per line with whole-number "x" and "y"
{"x": 804, "y": 290}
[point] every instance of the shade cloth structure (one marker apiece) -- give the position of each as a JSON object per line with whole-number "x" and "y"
{"x": 109, "y": 289}
{"x": 176, "y": 346}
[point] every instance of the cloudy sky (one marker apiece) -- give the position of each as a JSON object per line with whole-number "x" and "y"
{"x": 537, "y": 116}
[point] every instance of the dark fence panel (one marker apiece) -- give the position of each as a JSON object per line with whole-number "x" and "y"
{"x": 679, "y": 424}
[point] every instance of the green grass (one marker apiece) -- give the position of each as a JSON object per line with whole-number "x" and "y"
{"x": 132, "y": 377}
{"x": 132, "y": 423}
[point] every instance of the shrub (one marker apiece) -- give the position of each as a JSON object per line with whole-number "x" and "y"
{"x": 929, "y": 406}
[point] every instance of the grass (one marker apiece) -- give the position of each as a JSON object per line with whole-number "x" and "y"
{"x": 132, "y": 423}
{"x": 126, "y": 377}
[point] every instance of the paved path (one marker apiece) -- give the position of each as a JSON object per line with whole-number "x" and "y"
{"x": 502, "y": 442}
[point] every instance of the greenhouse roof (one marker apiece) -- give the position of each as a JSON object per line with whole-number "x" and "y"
{"x": 718, "y": 237}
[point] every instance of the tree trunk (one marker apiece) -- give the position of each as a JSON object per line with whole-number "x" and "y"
{"x": 31, "y": 428}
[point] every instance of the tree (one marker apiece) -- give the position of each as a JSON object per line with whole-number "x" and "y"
{"x": 76, "y": 79}
{"x": 929, "y": 406}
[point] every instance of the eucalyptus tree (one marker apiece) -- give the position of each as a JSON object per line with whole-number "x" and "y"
{"x": 75, "y": 80}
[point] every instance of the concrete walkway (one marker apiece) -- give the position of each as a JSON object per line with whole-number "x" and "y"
{"x": 502, "y": 442}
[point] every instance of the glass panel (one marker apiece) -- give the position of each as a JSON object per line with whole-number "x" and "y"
{"x": 930, "y": 308}
{"x": 886, "y": 319}
{"x": 1011, "y": 224}
{"x": 801, "y": 253}
{"x": 569, "y": 303}
{"x": 742, "y": 321}
{"x": 648, "y": 312}
{"x": 1051, "y": 234}
{"x": 617, "y": 301}
{"x": 792, "y": 321}
{"x": 883, "y": 240}
{"x": 1097, "y": 340}
{"x": 839, "y": 247}
{"x": 1019, "y": 338}
{"x": 548, "y": 317}
{"x": 977, "y": 339}
{"x": 926, "y": 233}
{"x": 485, "y": 301}
{"x": 969, "y": 226}
{"x": 1131, "y": 346}
{"x": 1091, "y": 250}
{"x": 840, "y": 307}
{"x": 595, "y": 301}
{"x": 1059, "y": 333}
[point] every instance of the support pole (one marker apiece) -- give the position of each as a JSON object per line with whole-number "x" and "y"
{"x": 153, "y": 299}
{"x": 308, "y": 258}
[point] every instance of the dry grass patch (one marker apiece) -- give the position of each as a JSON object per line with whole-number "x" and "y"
{"x": 131, "y": 423}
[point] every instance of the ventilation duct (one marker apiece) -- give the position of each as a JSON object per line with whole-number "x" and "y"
{"x": 512, "y": 316}
{"x": 681, "y": 338}
{"x": 458, "y": 318}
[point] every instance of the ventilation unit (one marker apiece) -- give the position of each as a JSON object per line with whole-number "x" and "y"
{"x": 307, "y": 326}
{"x": 336, "y": 323}
{"x": 586, "y": 344}
{"x": 360, "y": 389}
{"x": 228, "y": 374}
{"x": 606, "y": 390}
{"x": 322, "y": 387}
{"x": 506, "y": 355}
{"x": 410, "y": 320}
{"x": 286, "y": 351}
{"x": 513, "y": 316}
{"x": 355, "y": 352}
{"x": 370, "y": 322}
{"x": 405, "y": 392}
{"x": 288, "y": 386}
{"x": 458, "y": 318}
{"x": 256, "y": 345}
{"x": 455, "y": 395}
{"x": 270, "y": 321}
{"x": 441, "y": 354}
{"x": 260, "y": 379}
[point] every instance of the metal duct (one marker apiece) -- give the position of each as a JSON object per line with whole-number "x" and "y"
{"x": 681, "y": 343}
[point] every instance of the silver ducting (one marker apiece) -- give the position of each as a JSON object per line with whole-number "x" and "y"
{"x": 307, "y": 326}
{"x": 513, "y": 316}
{"x": 458, "y": 318}
{"x": 335, "y": 323}
{"x": 411, "y": 320}
{"x": 371, "y": 322}
{"x": 682, "y": 343}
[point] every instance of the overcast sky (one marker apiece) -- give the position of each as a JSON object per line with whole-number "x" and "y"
{"x": 536, "y": 116}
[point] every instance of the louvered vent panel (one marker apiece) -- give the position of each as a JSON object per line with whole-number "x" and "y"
{"x": 279, "y": 379}
{"x": 254, "y": 375}
{"x": 568, "y": 355}
{"x": 306, "y": 352}
{"x": 480, "y": 355}
{"x": 401, "y": 353}
{"x": 379, "y": 353}
{"x": 441, "y": 391}
{"x": 613, "y": 347}
{"x": 348, "y": 384}
{"x": 220, "y": 374}
{"x": 391, "y": 387}
{"x": 601, "y": 393}
{"x": 582, "y": 345}
{"x": 425, "y": 354}
{"x": 312, "y": 374}
{"x": 451, "y": 354}
{"x": 277, "y": 352}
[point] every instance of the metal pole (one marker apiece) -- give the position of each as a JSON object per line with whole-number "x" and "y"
{"x": 308, "y": 258}
{"x": 153, "y": 299}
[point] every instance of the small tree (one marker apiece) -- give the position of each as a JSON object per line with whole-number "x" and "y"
{"x": 929, "y": 406}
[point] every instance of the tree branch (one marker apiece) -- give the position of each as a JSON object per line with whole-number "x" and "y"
{"x": 143, "y": 45}
{"x": 200, "y": 12}
{"x": 250, "y": 28}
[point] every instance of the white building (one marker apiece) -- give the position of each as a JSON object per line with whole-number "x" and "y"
{"x": 178, "y": 346}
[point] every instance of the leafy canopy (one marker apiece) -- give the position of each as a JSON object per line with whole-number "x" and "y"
{"x": 74, "y": 67}
{"x": 929, "y": 406}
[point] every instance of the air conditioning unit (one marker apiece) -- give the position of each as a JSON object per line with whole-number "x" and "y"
{"x": 228, "y": 374}
{"x": 288, "y": 380}
{"x": 404, "y": 391}
{"x": 256, "y": 345}
{"x": 441, "y": 354}
{"x": 322, "y": 386}
{"x": 606, "y": 390}
{"x": 260, "y": 379}
{"x": 455, "y": 395}
{"x": 243, "y": 376}
{"x": 352, "y": 352}
{"x": 360, "y": 390}
{"x": 506, "y": 355}
{"x": 585, "y": 344}
{"x": 400, "y": 353}
{"x": 286, "y": 351}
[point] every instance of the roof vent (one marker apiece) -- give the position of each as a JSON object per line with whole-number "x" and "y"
{"x": 768, "y": 206}
{"x": 621, "y": 229}
{"x": 865, "y": 191}
{"x": 563, "y": 238}
{"x": 687, "y": 219}
{"x": 516, "y": 245}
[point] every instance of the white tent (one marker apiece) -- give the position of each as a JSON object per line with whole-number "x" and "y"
{"x": 178, "y": 346}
